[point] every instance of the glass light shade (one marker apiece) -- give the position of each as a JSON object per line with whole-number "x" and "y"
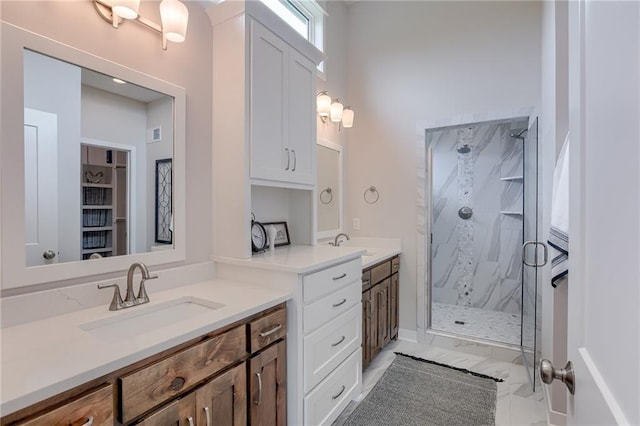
{"x": 175, "y": 17}
{"x": 347, "y": 117}
{"x": 336, "y": 111}
{"x": 127, "y": 9}
{"x": 323, "y": 104}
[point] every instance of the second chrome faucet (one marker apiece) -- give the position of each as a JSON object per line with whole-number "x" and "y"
{"x": 130, "y": 298}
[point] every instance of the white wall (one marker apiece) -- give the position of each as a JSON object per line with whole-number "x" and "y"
{"x": 414, "y": 61}
{"x": 62, "y": 99}
{"x": 188, "y": 64}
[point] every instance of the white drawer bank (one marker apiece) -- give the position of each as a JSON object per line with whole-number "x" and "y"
{"x": 324, "y": 358}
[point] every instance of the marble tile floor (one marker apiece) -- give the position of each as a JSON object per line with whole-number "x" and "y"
{"x": 516, "y": 403}
{"x": 503, "y": 327}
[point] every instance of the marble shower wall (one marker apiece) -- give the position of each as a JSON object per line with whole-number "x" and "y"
{"x": 484, "y": 252}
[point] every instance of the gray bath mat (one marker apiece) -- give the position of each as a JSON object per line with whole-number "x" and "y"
{"x": 414, "y": 391}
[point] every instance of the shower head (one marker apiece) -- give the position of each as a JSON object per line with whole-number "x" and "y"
{"x": 464, "y": 149}
{"x": 518, "y": 133}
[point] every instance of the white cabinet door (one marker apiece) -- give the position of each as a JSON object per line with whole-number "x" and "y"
{"x": 270, "y": 156}
{"x": 302, "y": 118}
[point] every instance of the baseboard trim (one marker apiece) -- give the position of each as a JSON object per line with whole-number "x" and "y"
{"x": 554, "y": 418}
{"x": 408, "y": 335}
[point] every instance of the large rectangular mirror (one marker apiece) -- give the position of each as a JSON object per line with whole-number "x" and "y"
{"x": 98, "y": 180}
{"x": 98, "y": 157}
{"x": 329, "y": 188}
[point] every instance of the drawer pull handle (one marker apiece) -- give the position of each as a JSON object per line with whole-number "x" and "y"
{"x": 273, "y": 330}
{"x": 190, "y": 420}
{"x": 207, "y": 416}
{"x": 338, "y": 342}
{"x": 288, "y": 158}
{"x": 365, "y": 282}
{"x": 336, "y": 396}
{"x": 259, "y": 400}
{"x": 89, "y": 421}
{"x": 335, "y": 305}
{"x": 340, "y": 277}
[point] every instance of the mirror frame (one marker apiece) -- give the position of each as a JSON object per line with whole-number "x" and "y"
{"x": 15, "y": 273}
{"x": 332, "y": 232}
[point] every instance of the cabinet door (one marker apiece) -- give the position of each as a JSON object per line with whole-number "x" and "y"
{"x": 374, "y": 314}
{"x": 394, "y": 293}
{"x": 302, "y": 118}
{"x": 268, "y": 387}
{"x": 223, "y": 401}
{"x": 382, "y": 302}
{"x": 366, "y": 326}
{"x": 94, "y": 408}
{"x": 181, "y": 412}
{"x": 270, "y": 156}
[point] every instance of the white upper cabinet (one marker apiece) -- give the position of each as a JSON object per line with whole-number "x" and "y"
{"x": 282, "y": 110}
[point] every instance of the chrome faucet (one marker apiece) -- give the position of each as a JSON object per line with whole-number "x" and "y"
{"x": 337, "y": 241}
{"x": 130, "y": 299}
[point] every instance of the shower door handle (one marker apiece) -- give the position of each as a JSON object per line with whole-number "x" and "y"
{"x": 545, "y": 254}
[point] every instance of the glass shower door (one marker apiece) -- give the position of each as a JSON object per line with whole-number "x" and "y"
{"x": 531, "y": 254}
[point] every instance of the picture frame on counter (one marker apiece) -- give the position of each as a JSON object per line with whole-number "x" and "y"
{"x": 282, "y": 233}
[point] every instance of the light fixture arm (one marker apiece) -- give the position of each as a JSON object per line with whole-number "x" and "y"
{"x": 105, "y": 11}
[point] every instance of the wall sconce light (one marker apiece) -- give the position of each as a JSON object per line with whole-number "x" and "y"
{"x": 173, "y": 14}
{"x": 334, "y": 110}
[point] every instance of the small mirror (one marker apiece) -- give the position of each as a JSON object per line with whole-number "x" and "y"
{"x": 329, "y": 189}
{"x": 97, "y": 164}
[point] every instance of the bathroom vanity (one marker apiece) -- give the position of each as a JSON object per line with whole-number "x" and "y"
{"x": 221, "y": 346}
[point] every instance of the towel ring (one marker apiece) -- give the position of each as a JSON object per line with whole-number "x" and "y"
{"x": 329, "y": 193}
{"x": 371, "y": 200}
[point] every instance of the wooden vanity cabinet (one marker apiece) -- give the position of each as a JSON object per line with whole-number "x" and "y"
{"x": 380, "y": 298}
{"x": 233, "y": 377}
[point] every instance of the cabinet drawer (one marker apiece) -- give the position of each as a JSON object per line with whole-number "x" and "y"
{"x": 267, "y": 329}
{"x": 96, "y": 406}
{"x": 329, "y": 280}
{"x": 331, "y": 344}
{"x": 161, "y": 381}
{"x": 366, "y": 280}
{"x": 325, "y": 403}
{"x": 395, "y": 265}
{"x": 380, "y": 272}
{"x": 329, "y": 307}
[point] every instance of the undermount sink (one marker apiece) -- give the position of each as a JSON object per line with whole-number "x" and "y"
{"x": 140, "y": 320}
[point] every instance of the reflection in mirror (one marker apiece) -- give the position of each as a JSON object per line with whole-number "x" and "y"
{"x": 92, "y": 147}
{"x": 329, "y": 189}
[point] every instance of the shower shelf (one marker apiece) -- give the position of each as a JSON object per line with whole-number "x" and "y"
{"x": 511, "y": 213}
{"x": 508, "y": 178}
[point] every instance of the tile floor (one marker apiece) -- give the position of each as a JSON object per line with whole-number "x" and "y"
{"x": 501, "y": 327}
{"x": 516, "y": 403}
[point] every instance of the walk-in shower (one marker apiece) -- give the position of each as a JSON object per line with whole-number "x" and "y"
{"x": 483, "y": 207}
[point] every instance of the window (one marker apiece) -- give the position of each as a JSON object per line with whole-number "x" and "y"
{"x": 304, "y": 16}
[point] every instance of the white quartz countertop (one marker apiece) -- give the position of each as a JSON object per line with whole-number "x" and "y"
{"x": 43, "y": 358}
{"x": 297, "y": 259}
{"x": 377, "y": 255}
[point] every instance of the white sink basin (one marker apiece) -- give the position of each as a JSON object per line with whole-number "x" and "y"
{"x": 139, "y": 320}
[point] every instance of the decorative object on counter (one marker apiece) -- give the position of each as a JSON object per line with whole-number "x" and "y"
{"x": 371, "y": 195}
{"x": 273, "y": 232}
{"x": 90, "y": 177}
{"x": 326, "y": 196}
{"x": 259, "y": 238}
{"x": 164, "y": 205}
{"x": 174, "y": 17}
{"x": 333, "y": 109}
{"x": 282, "y": 233}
